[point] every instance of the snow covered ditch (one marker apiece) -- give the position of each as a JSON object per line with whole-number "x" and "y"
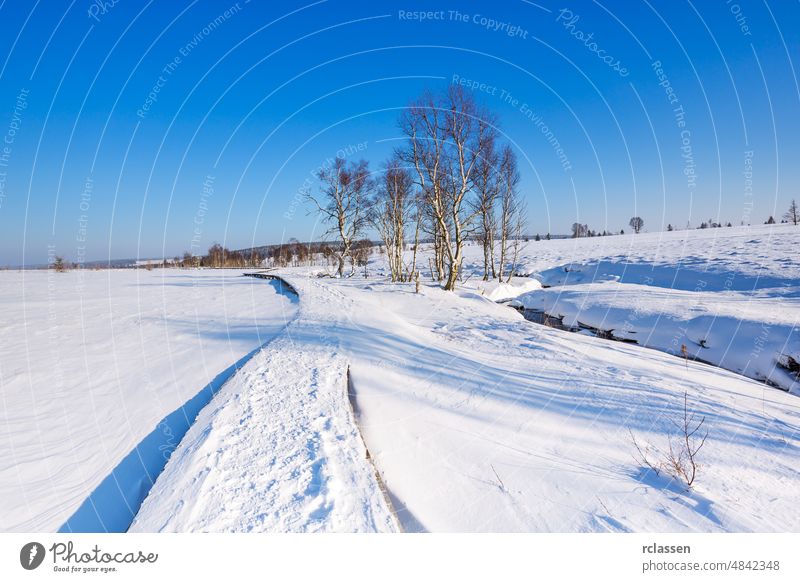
{"x": 754, "y": 336}
{"x": 730, "y": 297}
{"x": 102, "y": 373}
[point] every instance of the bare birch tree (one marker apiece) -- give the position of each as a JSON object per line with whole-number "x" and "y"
{"x": 412, "y": 272}
{"x": 343, "y": 203}
{"x": 446, "y": 137}
{"x": 391, "y": 212}
{"x": 486, "y": 193}
{"x": 511, "y": 221}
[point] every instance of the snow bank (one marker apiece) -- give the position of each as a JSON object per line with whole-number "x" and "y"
{"x": 495, "y": 291}
{"x": 737, "y": 258}
{"x": 731, "y": 296}
{"x": 102, "y": 372}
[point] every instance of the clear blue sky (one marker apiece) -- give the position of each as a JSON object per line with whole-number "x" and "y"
{"x": 253, "y": 96}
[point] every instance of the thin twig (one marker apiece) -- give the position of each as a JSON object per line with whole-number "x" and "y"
{"x": 502, "y": 485}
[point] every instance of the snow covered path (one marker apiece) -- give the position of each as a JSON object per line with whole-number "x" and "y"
{"x": 278, "y": 449}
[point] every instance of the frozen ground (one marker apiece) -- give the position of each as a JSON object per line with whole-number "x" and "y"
{"x": 102, "y": 372}
{"x": 475, "y": 419}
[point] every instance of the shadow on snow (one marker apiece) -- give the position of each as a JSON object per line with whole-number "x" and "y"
{"x": 112, "y": 506}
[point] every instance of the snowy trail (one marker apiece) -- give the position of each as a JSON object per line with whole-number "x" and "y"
{"x": 278, "y": 448}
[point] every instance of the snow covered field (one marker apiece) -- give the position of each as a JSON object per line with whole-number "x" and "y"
{"x": 478, "y": 420}
{"x": 101, "y": 373}
{"x": 733, "y": 259}
{"x": 481, "y": 421}
{"x": 474, "y": 418}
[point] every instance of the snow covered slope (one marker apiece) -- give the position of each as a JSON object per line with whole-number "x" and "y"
{"x": 102, "y": 372}
{"x": 477, "y": 420}
{"x": 745, "y": 334}
{"x": 481, "y": 421}
{"x": 731, "y": 259}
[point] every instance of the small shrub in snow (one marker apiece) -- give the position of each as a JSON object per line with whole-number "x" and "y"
{"x": 679, "y": 458}
{"x": 59, "y": 265}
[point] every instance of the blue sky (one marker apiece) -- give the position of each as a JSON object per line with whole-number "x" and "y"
{"x": 150, "y": 128}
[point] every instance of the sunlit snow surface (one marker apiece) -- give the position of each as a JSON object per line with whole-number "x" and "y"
{"x": 475, "y": 419}
{"x": 478, "y": 420}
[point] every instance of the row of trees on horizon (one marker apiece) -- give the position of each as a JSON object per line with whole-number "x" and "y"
{"x": 296, "y": 253}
